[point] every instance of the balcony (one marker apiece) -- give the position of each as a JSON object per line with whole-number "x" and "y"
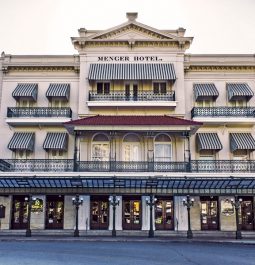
{"x": 68, "y": 165}
{"x": 37, "y": 115}
{"x": 141, "y": 99}
{"x": 224, "y": 114}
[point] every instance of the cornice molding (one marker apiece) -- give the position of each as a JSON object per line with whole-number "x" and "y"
{"x": 208, "y": 68}
{"x": 40, "y": 68}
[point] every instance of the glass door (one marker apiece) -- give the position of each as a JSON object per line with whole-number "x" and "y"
{"x": 54, "y": 212}
{"x": 99, "y": 213}
{"x": 131, "y": 91}
{"x": 164, "y": 214}
{"x": 246, "y": 216}
{"x": 209, "y": 213}
{"x": 19, "y": 212}
{"x": 132, "y": 214}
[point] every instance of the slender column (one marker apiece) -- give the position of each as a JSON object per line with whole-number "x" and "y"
{"x": 189, "y": 203}
{"x": 151, "y": 203}
{"x": 237, "y": 204}
{"x": 29, "y": 199}
{"x": 75, "y": 154}
{"x": 189, "y": 153}
{"x": 77, "y": 201}
{"x": 114, "y": 202}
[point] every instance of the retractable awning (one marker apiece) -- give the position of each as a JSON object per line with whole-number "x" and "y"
{"x": 134, "y": 71}
{"x": 242, "y": 141}
{"x": 59, "y": 91}
{"x": 208, "y": 141}
{"x": 56, "y": 141}
{"x": 202, "y": 91}
{"x": 236, "y": 91}
{"x": 22, "y": 141}
{"x": 26, "y": 91}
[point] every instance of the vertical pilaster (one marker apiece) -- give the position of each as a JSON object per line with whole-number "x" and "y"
{"x": 118, "y": 220}
{"x": 84, "y": 213}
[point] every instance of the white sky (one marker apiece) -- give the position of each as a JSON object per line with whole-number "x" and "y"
{"x": 45, "y": 26}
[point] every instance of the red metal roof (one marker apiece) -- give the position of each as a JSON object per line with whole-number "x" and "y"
{"x": 129, "y": 120}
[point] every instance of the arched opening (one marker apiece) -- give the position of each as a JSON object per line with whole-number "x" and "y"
{"x": 162, "y": 148}
{"x": 131, "y": 148}
{"x": 100, "y": 148}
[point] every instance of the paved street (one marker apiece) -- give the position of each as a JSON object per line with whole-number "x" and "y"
{"x": 120, "y": 253}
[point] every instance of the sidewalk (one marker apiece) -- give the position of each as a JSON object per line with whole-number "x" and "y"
{"x": 124, "y": 239}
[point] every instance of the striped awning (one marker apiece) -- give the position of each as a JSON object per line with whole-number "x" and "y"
{"x": 236, "y": 91}
{"x": 134, "y": 71}
{"x": 208, "y": 141}
{"x": 241, "y": 141}
{"x": 22, "y": 141}
{"x": 205, "y": 90}
{"x": 56, "y": 141}
{"x": 59, "y": 91}
{"x": 25, "y": 91}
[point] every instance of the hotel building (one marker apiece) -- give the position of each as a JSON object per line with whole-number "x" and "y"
{"x": 134, "y": 117}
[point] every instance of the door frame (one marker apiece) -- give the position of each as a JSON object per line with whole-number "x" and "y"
{"x": 210, "y": 227}
{"x": 22, "y": 201}
{"x": 54, "y": 198}
{"x": 99, "y": 226}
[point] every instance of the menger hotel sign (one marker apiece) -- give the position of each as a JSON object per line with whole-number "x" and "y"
{"x": 129, "y": 59}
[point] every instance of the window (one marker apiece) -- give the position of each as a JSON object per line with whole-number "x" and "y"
{"x": 100, "y": 148}
{"x": 25, "y": 103}
{"x": 103, "y": 88}
{"x": 207, "y": 154}
{"x": 56, "y": 154}
{"x": 163, "y": 148}
{"x": 241, "y": 155}
{"x": 131, "y": 148}
{"x": 205, "y": 103}
{"x": 159, "y": 88}
{"x": 238, "y": 103}
{"x": 22, "y": 154}
{"x": 58, "y": 103}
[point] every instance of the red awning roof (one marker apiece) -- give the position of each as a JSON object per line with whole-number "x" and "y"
{"x": 129, "y": 120}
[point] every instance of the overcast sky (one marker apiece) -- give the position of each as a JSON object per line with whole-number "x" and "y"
{"x": 45, "y": 26}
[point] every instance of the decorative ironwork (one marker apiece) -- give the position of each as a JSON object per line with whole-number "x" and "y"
{"x": 223, "y": 112}
{"x": 123, "y": 96}
{"x": 13, "y": 112}
{"x": 67, "y": 165}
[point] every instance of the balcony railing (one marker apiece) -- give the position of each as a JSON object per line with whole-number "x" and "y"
{"x": 68, "y": 165}
{"x": 141, "y": 96}
{"x": 223, "y": 112}
{"x": 13, "y": 112}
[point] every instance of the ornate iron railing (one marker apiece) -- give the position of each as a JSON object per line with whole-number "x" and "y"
{"x": 68, "y": 165}
{"x": 223, "y": 112}
{"x": 38, "y": 112}
{"x": 122, "y": 96}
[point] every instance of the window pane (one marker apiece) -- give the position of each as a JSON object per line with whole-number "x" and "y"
{"x": 99, "y": 88}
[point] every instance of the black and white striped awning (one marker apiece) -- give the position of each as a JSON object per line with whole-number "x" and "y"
{"x": 59, "y": 91}
{"x": 56, "y": 141}
{"x": 205, "y": 90}
{"x": 134, "y": 71}
{"x": 241, "y": 141}
{"x": 208, "y": 141}
{"x": 22, "y": 141}
{"x": 236, "y": 91}
{"x": 25, "y": 91}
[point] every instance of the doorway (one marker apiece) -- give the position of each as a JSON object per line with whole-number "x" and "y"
{"x": 209, "y": 213}
{"x": 246, "y": 214}
{"x": 131, "y": 91}
{"x": 19, "y": 212}
{"x": 164, "y": 214}
{"x": 99, "y": 213}
{"x": 54, "y": 212}
{"x": 132, "y": 213}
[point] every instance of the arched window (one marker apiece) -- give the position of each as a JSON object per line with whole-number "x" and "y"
{"x": 163, "y": 148}
{"x": 131, "y": 148}
{"x": 100, "y": 148}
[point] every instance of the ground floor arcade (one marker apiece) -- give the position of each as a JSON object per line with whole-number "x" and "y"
{"x": 46, "y": 203}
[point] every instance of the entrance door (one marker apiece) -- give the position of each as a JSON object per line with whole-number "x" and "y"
{"x": 246, "y": 216}
{"x": 209, "y": 213}
{"x": 19, "y": 212}
{"x": 54, "y": 212}
{"x": 99, "y": 213}
{"x": 164, "y": 214}
{"x": 131, "y": 91}
{"x": 132, "y": 216}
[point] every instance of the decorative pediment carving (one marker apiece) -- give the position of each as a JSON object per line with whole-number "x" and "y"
{"x": 134, "y": 31}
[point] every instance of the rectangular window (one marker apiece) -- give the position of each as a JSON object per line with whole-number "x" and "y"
{"x": 100, "y": 152}
{"x": 207, "y": 155}
{"x": 22, "y": 154}
{"x": 103, "y": 88}
{"x": 159, "y": 88}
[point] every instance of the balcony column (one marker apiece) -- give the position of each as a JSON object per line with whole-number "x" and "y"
{"x": 75, "y": 154}
{"x": 189, "y": 153}
{"x": 113, "y": 135}
{"x": 150, "y": 150}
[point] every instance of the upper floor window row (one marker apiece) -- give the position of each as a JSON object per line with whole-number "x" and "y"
{"x": 29, "y": 92}
{"x": 235, "y": 92}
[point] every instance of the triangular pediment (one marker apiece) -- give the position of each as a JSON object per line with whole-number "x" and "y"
{"x": 132, "y": 30}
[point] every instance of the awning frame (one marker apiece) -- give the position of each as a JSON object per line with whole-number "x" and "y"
{"x": 56, "y": 141}
{"x": 25, "y": 91}
{"x": 58, "y": 90}
{"x": 208, "y": 141}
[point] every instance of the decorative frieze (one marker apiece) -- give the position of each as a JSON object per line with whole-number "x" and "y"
{"x": 209, "y": 68}
{"x": 38, "y": 68}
